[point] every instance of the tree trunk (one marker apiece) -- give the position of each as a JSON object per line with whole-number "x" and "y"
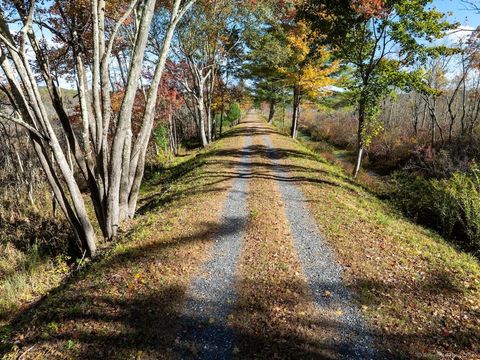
{"x": 295, "y": 112}
{"x": 360, "y": 142}
{"x": 271, "y": 113}
{"x": 124, "y": 122}
{"x": 34, "y": 112}
{"x": 172, "y": 141}
{"x": 140, "y": 146}
{"x": 202, "y": 115}
{"x": 223, "y": 98}
{"x": 202, "y": 129}
{"x": 113, "y": 172}
{"x": 209, "y": 124}
{"x": 221, "y": 119}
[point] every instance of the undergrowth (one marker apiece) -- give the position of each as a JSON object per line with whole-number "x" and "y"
{"x": 141, "y": 277}
{"x": 448, "y": 204}
{"x": 34, "y": 250}
{"x": 451, "y": 206}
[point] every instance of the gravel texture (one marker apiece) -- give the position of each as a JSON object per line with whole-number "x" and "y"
{"x": 323, "y": 273}
{"x": 204, "y": 333}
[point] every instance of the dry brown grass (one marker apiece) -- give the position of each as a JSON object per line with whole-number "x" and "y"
{"x": 33, "y": 244}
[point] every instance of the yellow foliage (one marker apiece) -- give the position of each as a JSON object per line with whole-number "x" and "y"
{"x": 310, "y": 70}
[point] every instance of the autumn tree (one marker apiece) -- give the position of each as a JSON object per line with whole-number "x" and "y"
{"x": 206, "y": 37}
{"x": 262, "y": 67}
{"x": 108, "y": 153}
{"x": 282, "y": 56}
{"x": 308, "y": 70}
{"x": 380, "y": 40}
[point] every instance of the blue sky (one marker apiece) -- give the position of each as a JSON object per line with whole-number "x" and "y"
{"x": 459, "y": 11}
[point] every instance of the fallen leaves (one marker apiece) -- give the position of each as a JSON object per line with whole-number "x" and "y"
{"x": 274, "y": 305}
{"x": 132, "y": 295}
{"x": 414, "y": 288}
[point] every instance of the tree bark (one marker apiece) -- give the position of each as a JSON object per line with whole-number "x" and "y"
{"x": 360, "y": 140}
{"x": 124, "y": 122}
{"x": 271, "y": 112}
{"x": 295, "y": 112}
{"x": 140, "y": 146}
{"x": 113, "y": 172}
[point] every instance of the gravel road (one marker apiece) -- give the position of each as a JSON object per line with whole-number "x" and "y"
{"x": 204, "y": 333}
{"x": 323, "y": 273}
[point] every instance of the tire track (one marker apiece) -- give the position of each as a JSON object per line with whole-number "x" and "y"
{"x": 204, "y": 333}
{"x": 323, "y": 273}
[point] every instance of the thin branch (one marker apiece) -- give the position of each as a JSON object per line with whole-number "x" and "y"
{"x": 22, "y": 123}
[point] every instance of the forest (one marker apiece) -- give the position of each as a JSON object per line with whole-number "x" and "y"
{"x": 257, "y": 179}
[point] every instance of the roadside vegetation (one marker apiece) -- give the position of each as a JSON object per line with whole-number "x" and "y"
{"x": 419, "y": 293}
{"x": 107, "y": 307}
{"x": 119, "y": 129}
{"x": 435, "y": 186}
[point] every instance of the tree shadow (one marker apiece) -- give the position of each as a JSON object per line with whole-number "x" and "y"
{"x": 232, "y": 159}
{"x": 415, "y": 303}
{"x": 107, "y": 309}
{"x": 294, "y": 334}
{"x": 246, "y": 131}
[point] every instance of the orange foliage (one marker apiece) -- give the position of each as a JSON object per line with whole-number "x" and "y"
{"x": 369, "y": 8}
{"x": 312, "y": 72}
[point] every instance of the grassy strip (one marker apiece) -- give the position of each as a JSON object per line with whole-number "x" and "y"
{"x": 32, "y": 247}
{"x": 418, "y": 292}
{"x": 275, "y": 316}
{"x": 126, "y": 304}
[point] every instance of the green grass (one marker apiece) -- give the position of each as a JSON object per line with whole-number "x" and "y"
{"x": 418, "y": 291}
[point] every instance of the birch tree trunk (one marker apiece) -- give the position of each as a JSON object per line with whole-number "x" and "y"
{"x": 110, "y": 156}
{"x": 360, "y": 140}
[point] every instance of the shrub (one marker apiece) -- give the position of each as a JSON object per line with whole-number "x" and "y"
{"x": 450, "y": 206}
{"x": 160, "y": 135}
{"x": 234, "y": 112}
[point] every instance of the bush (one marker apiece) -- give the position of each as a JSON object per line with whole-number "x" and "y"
{"x": 234, "y": 112}
{"x": 160, "y": 135}
{"x": 450, "y": 206}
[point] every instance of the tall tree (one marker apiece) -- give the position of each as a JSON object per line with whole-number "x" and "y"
{"x": 282, "y": 55}
{"x": 262, "y": 67}
{"x": 380, "y": 40}
{"x": 206, "y": 37}
{"x": 308, "y": 70}
{"x": 108, "y": 151}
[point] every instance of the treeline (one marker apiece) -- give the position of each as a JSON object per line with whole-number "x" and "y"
{"x": 389, "y": 84}
{"x": 148, "y": 77}
{"x": 92, "y": 91}
{"x": 424, "y": 140}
